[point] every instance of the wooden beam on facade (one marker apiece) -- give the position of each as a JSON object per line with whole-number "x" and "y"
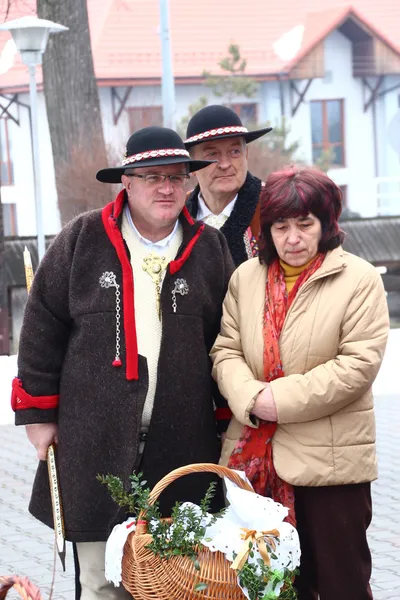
{"x": 118, "y": 104}
{"x": 390, "y": 89}
{"x": 4, "y": 110}
{"x": 300, "y": 95}
{"x": 374, "y": 91}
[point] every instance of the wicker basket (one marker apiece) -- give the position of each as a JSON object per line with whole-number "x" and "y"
{"x": 26, "y": 589}
{"x": 147, "y": 576}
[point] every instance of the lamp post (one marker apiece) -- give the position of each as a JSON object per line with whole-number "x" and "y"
{"x": 30, "y": 36}
{"x": 167, "y": 79}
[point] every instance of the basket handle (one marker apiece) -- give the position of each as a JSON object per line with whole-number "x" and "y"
{"x": 188, "y": 470}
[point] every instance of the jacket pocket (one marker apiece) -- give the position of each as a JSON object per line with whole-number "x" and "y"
{"x": 353, "y": 428}
{"x": 311, "y": 433}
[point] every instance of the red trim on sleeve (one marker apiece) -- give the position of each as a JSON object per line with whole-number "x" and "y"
{"x": 115, "y": 235}
{"x": 175, "y": 265}
{"x": 20, "y": 399}
{"x": 222, "y": 414}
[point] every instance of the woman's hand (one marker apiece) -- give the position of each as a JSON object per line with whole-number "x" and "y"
{"x": 264, "y": 407}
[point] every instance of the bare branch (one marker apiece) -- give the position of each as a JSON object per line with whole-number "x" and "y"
{"x": 20, "y": 6}
{"x": 7, "y": 9}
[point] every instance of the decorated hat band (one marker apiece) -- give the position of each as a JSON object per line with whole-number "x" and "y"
{"x": 154, "y": 154}
{"x": 214, "y": 132}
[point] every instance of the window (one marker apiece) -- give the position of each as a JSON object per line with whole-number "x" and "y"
{"x": 144, "y": 116}
{"x": 6, "y": 165}
{"x": 327, "y": 130}
{"x": 10, "y": 219}
{"x": 246, "y": 112}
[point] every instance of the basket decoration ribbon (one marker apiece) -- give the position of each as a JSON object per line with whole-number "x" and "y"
{"x": 260, "y": 538}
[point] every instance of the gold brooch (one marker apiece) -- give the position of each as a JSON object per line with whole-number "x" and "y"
{"x": 155, "y": 266}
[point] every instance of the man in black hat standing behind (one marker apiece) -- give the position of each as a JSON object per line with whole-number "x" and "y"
{"x": 227, "y": 195}
{"x": 113, "y": 360}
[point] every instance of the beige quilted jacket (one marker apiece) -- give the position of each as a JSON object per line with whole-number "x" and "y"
{"x": 332, "y": 345}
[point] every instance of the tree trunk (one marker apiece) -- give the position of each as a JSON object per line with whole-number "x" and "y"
{"x": 73, "y": 109}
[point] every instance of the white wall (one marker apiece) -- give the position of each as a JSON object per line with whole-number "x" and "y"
{"x": 358, "y": 172}
{"x": 389, "y": 109}
{"x": 141, "y": 96}
{"x": 388, "y": 132}
{"x": 22, "y": 192}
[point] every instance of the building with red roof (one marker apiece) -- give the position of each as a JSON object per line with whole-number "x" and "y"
{"x": 331, "y": 69}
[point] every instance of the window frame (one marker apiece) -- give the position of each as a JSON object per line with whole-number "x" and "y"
{"x": 8, "y": 160}
{"x": 132, "y": 110}
{"x": 326, "y": 144}
{"x": 12, "y": 218}
{"x": 239, "y": 105}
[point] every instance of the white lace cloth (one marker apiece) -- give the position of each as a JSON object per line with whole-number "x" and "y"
{"x": 246, "y": 510}
{"x": 252, "y": 511}
{"x": 115, "y": 549}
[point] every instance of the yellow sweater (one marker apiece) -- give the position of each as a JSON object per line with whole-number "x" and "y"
{"x": 292, "y": 274}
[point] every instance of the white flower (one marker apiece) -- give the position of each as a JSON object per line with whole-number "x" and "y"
{"x": 108, "y": 279}
{"x": 181, "y": 287}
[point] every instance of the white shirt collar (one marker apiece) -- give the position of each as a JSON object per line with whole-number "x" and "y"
{"x": 203, "y": 211}
{"x": 164, "y": 243}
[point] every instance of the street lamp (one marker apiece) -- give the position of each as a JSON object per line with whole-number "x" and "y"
{"x": 30, "y": 36}
{"x": 167, "y": 79}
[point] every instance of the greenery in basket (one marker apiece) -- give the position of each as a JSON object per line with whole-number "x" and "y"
{"x": 184, "y": 538}
{"x": 255, "y": 582}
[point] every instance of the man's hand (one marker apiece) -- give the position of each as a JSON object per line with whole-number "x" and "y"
{"x": 41, "y": 435}
{"x": 264, "y": 407}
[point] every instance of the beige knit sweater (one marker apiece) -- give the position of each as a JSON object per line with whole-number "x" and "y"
{"x": 148, "y": 324}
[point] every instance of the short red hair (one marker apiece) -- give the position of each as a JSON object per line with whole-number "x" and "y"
{"x": 295, "y": 192}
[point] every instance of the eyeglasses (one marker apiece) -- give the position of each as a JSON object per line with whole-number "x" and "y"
{"x": 156, "y": 179}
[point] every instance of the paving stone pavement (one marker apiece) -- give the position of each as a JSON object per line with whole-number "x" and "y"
{"x": 27, "y": 548}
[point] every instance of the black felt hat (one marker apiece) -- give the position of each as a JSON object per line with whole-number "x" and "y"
{"x": 217, "y": 122}
{"x": 152, "y": 147}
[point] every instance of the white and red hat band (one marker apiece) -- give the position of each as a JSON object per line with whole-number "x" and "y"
{"x": 154, "y": 154}
{"x": 216, "y": 132}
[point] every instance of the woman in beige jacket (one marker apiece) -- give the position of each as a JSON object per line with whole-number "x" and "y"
{"x": 302, "y": 338}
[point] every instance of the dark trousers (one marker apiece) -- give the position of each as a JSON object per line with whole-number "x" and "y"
{"x": 332, "y": 522}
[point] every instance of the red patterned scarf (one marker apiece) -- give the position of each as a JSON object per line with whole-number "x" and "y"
{"x": 253, "y": 452}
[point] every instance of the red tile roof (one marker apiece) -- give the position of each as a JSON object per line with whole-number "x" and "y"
{"x": 126, "y": 44}
{"x": 318, "y": 25}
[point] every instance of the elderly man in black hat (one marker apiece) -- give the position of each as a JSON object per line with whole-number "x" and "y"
{"x": 227, "y": 195}
{"x": 113, "y": 361}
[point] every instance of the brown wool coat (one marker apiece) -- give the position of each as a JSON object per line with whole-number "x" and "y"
{"x": 67, "y": 347}
{"x": 331, "y": 347}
